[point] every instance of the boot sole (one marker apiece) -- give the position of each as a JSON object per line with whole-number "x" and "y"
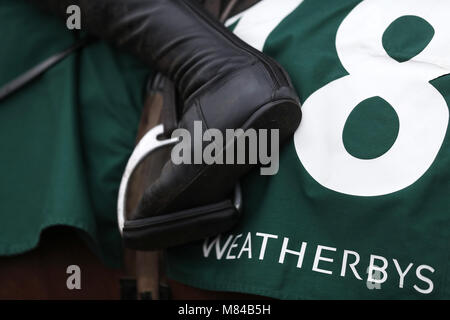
{"x": 190, "y": 225}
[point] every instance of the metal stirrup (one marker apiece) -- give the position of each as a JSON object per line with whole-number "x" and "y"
{"x": 147, "y": 145}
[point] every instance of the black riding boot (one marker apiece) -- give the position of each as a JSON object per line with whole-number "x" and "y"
{"x": 223, "y": 82}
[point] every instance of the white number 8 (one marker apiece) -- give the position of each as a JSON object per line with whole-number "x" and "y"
{"x": 421, "y": 109}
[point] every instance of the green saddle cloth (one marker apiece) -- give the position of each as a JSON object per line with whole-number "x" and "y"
{"x": 360, "y": 206}
{"x": 66, "y": 137}
{"x": 364, "y": 186}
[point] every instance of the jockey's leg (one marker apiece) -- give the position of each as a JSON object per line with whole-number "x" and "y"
{"x": 224, "y": 83}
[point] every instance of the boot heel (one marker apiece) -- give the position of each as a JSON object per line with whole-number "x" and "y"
{"x": 284, "y": 114}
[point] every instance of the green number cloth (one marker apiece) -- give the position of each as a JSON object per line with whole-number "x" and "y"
{"x": 360, "y": 207}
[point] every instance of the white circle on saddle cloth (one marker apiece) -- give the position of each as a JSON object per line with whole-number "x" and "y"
{"x": 422, "y": 111}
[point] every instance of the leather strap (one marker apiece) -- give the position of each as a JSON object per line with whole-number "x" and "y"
{"x": 170, "y": 109}
{"x": 22, "y": 80}
{"x": 227, "y": 11}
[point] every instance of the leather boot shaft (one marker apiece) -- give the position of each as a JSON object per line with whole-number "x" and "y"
{"x": 177, "y": 37}
{"x": 224, "y": 84}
